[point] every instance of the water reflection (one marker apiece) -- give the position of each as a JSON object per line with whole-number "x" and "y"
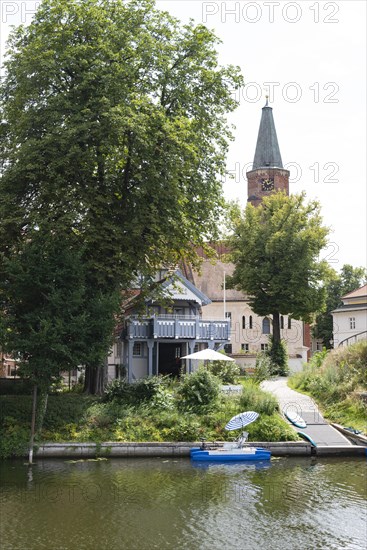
{"x": 160, "y": 503}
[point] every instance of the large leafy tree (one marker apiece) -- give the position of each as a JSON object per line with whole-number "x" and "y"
{"x": 113, "y": 129}
{"x": 275, "y": 248}
{"x": 350, "y": 278}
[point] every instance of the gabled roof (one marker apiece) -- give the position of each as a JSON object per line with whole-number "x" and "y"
{"x": 267, "y": 154}
{"x": 358, "y": 293}
{"x": 193, "y": 293}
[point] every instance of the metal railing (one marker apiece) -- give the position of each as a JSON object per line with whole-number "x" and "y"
{"x": 178, "y": 327}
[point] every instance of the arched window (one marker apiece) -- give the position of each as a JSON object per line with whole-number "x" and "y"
{"x": 289, "y": 322}
{"x": 243, "y": 321}
{"x": 281, "y": 321}
{"x": 250, "y": 321}
{"x": 266, "y": 326}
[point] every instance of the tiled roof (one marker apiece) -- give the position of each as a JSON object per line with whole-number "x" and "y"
{"x": 267, "y": 154}
{"x": 210, "y": 281}
{"x": 358, "y": 293}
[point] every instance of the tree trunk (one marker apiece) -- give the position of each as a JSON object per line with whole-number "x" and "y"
{"x": 95, "y": 379}
{"x": 33, "y": 425}
{"x": 41, "y": 408}
{"x": 276, "y": 329}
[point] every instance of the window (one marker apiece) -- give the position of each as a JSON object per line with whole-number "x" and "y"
{"x": 281, "y": 321}
{"x": 264, "y": 347}
{"x": 266, "y": 326}
{"x": 118, "y": 349}
{"x": 228, "y": 315}
{"x": 137, "y": 349}
{"x": 243, "y": 321}
{"x": 250, "y": 321}
{"x": 289, "y": 323}
{"x": 244, "y": 347}
{"x": 228, "y": 348}
{"x": 352, "y": 322}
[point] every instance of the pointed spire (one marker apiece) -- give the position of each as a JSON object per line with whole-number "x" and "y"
{"x": 267, "y": 154}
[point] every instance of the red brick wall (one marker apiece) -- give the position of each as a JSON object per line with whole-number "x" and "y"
{"x": 254, "y": 177}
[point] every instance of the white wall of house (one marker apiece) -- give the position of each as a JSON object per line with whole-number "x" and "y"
{"x": 349, "y": 323}
{"x": 254, "y": 338}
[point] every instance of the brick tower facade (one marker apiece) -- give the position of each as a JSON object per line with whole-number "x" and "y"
{"x": 267, "y": 174}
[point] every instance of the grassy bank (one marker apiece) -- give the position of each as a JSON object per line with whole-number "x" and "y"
{"x": 337, "y": 380}
{"x": 165, "y": 413}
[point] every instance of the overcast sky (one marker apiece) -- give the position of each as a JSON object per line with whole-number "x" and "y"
{"x": 313, "y": 54}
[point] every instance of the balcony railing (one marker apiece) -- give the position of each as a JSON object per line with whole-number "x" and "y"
{"x": 178, "y": 327}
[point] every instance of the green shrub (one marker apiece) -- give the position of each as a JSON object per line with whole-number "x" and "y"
{"x": 271, "y": 428}
{"x": 198, "y": 391}
{"x": 9, "y": 386}
{"x": 263, "y": 369}
{"x": 117, "y": 389}
{"x": 318, "y": 357}
{"x": 255, "y": 399}
{"x": 14, "y": 439}
{"x": 227, "y": 371}
{"x": 278, "y": 356}
{"x": 143, "y": 390}
{"x": 334, "y": 378}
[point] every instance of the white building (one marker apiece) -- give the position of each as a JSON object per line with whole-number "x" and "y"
{"x": 350, "y": 319}
{"x": 249, "y": 331}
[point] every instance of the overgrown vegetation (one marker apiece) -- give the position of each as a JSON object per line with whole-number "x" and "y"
{"x": 198, "y": 392}
{"x": 227, "y": 371}
{"x": 337, "y": 380}
{"x": 278, "y": 356}
{"x": 263, "y": 369}
{"x": 154, "y": 409}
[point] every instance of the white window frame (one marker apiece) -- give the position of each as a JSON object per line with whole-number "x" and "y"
{"x": 352, "y": 323}
{"x": 138, "y": 349}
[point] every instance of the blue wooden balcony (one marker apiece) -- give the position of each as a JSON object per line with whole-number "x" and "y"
{"x": 177, "y": 327}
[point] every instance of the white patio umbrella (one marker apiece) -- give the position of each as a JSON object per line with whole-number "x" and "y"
{"x": 241, "y": 420}
{"x": 207, "y": 355}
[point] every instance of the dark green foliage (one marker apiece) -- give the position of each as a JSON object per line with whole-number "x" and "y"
{"x": 335, "y": 379}
{"x": 61, "y": 409}
{"x": 144, "y": 390}
{"x": 199, "y": 391}
{"x": 113, "y": 131}
{"x": 255, "y": 399}
{"x": 278, "y": 356}
{"x": 350, "y": 278}
{"x": 15, "y": 419}
{"x": 271, "y": 428}
{"x": 42, "y": 288}
{"x": 275, "y": 249}
{"x": 14, "y": 439}
{"x": 263, "y": 368}
{"x": 15, "y": 386}
{"x": 82, "y": 418}
{"x": 117, "y": 389}
{"x": 227, "y": 371}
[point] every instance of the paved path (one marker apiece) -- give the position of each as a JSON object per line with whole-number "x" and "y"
{"x": 317, "y": 428}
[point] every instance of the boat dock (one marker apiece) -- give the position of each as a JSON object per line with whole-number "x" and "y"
{"x": 320, "y": 431}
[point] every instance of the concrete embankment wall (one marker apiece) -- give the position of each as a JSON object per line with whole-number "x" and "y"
{"x": 125, "y": 450}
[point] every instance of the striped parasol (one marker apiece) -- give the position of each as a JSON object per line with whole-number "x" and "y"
{"x": 241, "y": 420}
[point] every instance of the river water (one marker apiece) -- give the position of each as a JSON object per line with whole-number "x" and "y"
{"x": 128, "y": 504}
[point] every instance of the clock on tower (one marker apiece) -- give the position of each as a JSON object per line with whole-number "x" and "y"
{"x": 267, "y": 184}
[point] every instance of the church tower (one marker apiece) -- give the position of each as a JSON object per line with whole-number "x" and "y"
{"x": 267, "y": 172}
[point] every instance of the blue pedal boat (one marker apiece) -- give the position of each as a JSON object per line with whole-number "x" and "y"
{"x": 230, "y": 455}
{"x": 232, "y": 452}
